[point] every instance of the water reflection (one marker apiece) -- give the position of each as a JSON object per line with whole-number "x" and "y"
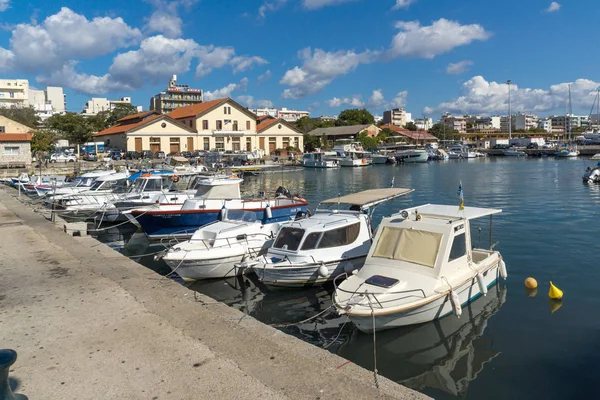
{"x": 445, "y": 354}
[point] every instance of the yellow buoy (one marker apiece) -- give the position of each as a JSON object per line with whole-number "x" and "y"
{"x": 554, "y": 292}
{"x": 530, "y": 283}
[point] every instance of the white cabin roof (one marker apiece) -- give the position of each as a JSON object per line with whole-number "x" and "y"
{"x": 369, "y": 198}
{"x": 113, "y": 177}
{"x": 445, "y": 211}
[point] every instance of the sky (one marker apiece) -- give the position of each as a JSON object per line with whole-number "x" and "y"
{"x": 324, "y": 56}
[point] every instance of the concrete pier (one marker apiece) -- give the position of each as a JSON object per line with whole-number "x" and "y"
{"x": 88, "y": 323}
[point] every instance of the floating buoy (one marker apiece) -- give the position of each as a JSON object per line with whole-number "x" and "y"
{"x": 482, "y": 286}
{"x": 531, "y": 283}
{"x": 455, "y": 304}
{"x": 554, "y": 292}
{"x": 268, "y": 211}
{"x": 323, "y": 271}
{"x": 502, "y": 267}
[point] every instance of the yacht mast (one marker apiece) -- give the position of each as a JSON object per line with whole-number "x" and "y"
{"x": 570, "y": 111}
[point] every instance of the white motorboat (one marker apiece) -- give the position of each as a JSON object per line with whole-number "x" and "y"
{"x": 318, "y": 160}
{"x": 218, "y": 250}
{"x": 377, "y": 158}
{"x": 514, "y": 153}
{"x": 567, "y": 153}
{"x": 592, "y": 174}
{"x": 460, "y": 152}
{"x": 421, "y": 267}
{"x": 330, "y": 242}
{"x": 100, "y": 195}
{"x": 350, "y": 154}
{"x": 81, "y": 184}
{"x": 412, "y": 156}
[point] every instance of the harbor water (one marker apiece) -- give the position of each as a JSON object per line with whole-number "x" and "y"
{"x": 509, "y": 344}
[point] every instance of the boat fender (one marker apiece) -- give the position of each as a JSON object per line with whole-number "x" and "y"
{"x": 482, "y": 286}
{"x": 175, "y": 179}
{"x": 268, "y": 212}
{"x": 456, "y": 304}
{"x": 502, "y": 267}
{"x": 323, "y": 271}
{"x": 223, "y": 213}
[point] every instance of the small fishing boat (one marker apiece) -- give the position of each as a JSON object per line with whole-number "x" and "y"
{"x": 567, "y": 152}
{"x": 422, "y": 266}
{"x": 514, "y": 153}
{"x": 336, "y": 239}
{"x": 318, "y": 160}
{"x": 218, "y": 249}
{"x": 350, "y": 154}
{"x": 80, "y": 184}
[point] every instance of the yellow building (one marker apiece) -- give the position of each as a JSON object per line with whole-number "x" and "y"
{"x": 221, "y": 124}
{"x": 9, "y": 126}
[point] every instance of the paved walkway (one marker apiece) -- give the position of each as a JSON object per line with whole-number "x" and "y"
{"x": 88, "y": 323}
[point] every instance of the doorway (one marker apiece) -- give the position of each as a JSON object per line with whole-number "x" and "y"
{"x": 190, "y": 144}
{"x": 138, "y": 144}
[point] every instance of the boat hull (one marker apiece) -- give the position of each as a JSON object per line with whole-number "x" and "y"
{"x": 210, "y": 268}
{"x": 305, "y": 275}
{"x": 436, "y": 309}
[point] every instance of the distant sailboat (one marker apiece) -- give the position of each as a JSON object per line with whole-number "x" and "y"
{"x": 571, "y": 148}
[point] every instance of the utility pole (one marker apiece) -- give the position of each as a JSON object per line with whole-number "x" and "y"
{"x": 508, "y": 82}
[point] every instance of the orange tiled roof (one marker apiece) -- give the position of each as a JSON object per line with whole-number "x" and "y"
{"x": 415, "y": 135}
{"x": 15, "y": 137}
{"x": 263, "y": 117}
{"x": 122, "y": 128}
{"x": 195, "y": 109}
{"x": 265, "y": 124}
{"x": 137, "y": 115}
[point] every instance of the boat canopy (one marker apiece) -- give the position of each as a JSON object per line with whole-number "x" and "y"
{"x": 445, "y": 211}
{"x": 369, "y": 198}
{"x": 218, "y": 189}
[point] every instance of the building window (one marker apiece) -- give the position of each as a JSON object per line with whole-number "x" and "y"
{"x": 247, "y": 125}
{"x": 286, "y": 142}
{"x": 206, "y": 143}
{"x": 12, "y": 150}
{"x": 2, "y": 129}
{"x": 235, "y": 125}
{"x": 205, "y": 124}
{"x": 219, "y": 125}
{"x": 220, "y": 142}
{"x": 248, "y": 144}
{"x": 227, "y": 110}
{"x": 235, "y": 144}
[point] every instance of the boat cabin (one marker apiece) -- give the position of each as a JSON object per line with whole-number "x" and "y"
{"x": 115, "y": 183}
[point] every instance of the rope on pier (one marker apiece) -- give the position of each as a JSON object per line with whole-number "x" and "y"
{"x": 304, "y": 321}
{"x": 339, "y": 333}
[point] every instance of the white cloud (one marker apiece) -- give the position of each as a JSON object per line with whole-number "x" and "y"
{"x": 316, "y": 4}
{"x": 157, "y": 58}
{"x": 459, "y": 67}
{"x": 243, "y": 63}
{"x": 320, "y": 68}
{"x": 226, "y": 91}
{"x": 6, "y": 59}
{"x": 440, "y": 37}
{"x": 376, "y": 98}
{"x": 353, "y": 101}
{"x": 265, "y": 77}
{"x": 554, "y": 6}
{"x": 165, "y": 19}
{"x": 250, "y": 102}
{"x": 268, "y": 6}
{"x": 48, "y": 46}
{"x": 4, "y": 5}
{"x": 478, "y": 96}
{"x": 399, "y": 100}
{"x": 402, "y": 4}
{"x": 84, "y": 83}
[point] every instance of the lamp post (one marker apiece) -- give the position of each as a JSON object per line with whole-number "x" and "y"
{"x": 508, "y": 82}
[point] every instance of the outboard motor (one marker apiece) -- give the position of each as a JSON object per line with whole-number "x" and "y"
{"x": 283, "y": 192}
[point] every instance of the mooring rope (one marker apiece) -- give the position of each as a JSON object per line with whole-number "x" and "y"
{"x": 304, "y": 321}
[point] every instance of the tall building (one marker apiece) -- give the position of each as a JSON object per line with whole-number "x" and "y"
{"x": 545, "y": 124}
{"x": 560, "y": 123}
{"x": 14, "y": 92}
{"x": 48, "y": 102}
{"x": 100, "y": 104}
{"x": 261, "y": 112}
{"x": 525, "y": 121}
{"x": 291, "y": 115}
{"x": 458, "y": 123}
{"x": 486, "y": 123}
{"x": 175, "y": 96}
{"x": 423, "y": 124}
{"x": 396, "y": 117}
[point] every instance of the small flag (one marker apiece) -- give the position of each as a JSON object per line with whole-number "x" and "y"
{"x": 461, "y": 197}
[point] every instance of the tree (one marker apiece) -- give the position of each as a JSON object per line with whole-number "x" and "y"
{"x": 311, "y": 143}
{"x": 120, "y": 111}
{"x": 442, "y": 132}
{"x": 73, "y": 127}
{"x": 23, "y": 115}
{"x": 43, "y": 141}
{"x": 385, "y": 133}
{"x": 411, "y": 126}
{"x": 367, "y": 141}
{"x": 307, "y": 124}
{"x": 355, "y": 117}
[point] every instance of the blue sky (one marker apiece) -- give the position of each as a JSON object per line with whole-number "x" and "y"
{"x": 429, "y": 56}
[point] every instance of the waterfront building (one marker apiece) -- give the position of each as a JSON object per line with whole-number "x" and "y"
{"x": 545, "y": 124}
{"x": 15, "y": 143}
{"x": 483, "y": 124}
{"x": 562, "y": 123}
{"x": 291, "y": 115}
{"x": 99, "y": 104}
{"x": 458, "y": 123}
{"x": 48, "y": 102}
{"x": 175, "y": 96}
{"x": 261, "y": 112}
{"x": 336, "y": 133}
{"x": 423, "y": 124}
{"x": 396, "y": 117}
{"x": 525, "y": 121}
{"x": 14, "y": 92}
{"x": 413, "y": 137}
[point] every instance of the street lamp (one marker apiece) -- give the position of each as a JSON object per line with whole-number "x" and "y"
{"x": 508, "y": 82}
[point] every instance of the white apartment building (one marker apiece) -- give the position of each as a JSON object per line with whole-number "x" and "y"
{"x": 291, "y": 115}
{"x": 396, "y": 117}
{"x": 525, "y": 121}
{"x": 48, "y": 102}
{"x": 261, "y": 112}
{"x": 545, "y": 124}
{"x": 100, "y": 104}
{"x": 486, "y": 123}
{"x": 561, "y": 122}
{"x": 458, "y": 123}
{"x": 14, "y": 92}
{"x": 423, "y": 124}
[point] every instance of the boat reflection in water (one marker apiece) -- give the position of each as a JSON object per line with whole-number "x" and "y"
{"x": 444, "y": 355}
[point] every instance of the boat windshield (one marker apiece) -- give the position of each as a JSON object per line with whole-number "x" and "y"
{"x": 289, "y": 238}
{"x": 241, "y": 215}
{"x": 410, "y": 245}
